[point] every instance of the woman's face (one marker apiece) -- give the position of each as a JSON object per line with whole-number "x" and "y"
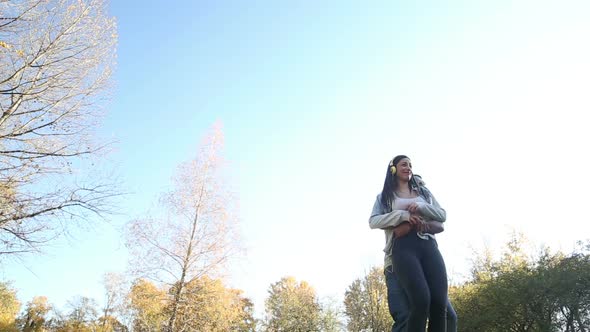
{"x": 404, "y": 169}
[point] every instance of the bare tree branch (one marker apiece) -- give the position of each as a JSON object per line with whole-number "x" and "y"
{"x": 56, "y": 58}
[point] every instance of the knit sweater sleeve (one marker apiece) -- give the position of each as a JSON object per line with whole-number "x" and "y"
{"x": 433, "y": 210}
{"x": 380, "y": 218}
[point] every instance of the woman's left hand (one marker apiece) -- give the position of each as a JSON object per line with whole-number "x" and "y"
{"x": 413, "y": 208}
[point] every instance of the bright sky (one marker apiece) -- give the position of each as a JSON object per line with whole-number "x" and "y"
{"x": 486, "y": 97}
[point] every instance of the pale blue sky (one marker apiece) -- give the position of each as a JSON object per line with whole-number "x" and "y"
{"x": 486, "y": 97}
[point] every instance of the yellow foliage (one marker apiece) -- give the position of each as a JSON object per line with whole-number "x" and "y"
{"x": 147, "y": 302}
{"x": 9, "y": 308}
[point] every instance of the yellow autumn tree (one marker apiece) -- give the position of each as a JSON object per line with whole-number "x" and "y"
{"x": 212, "y": 307}
{"x": 196, "y": 232}
{"x": 9, "y": 308}
{"x": 34, "y": 318}
{"x": 292, "y": 306}
{"x": 147, "y": 303}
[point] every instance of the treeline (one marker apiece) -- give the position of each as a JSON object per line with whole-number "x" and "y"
{"x": 549, "y": 292}
{"x": 141, "y": 306}
{"x": 516, "y": 291}
{"x": 208, "y": 305}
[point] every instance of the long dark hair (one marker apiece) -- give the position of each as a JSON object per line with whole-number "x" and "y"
{"x": 390, "y": 185}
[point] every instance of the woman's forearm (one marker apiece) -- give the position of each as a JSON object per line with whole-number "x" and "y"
{"x": 435, "y": 227}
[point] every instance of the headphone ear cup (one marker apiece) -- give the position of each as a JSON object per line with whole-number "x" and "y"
{"x": 393, "y": 170}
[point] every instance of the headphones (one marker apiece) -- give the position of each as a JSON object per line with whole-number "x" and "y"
{"x": 392, "y": 167}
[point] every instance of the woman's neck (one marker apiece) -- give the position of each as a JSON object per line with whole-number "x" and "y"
{"x": 402, "y": 186}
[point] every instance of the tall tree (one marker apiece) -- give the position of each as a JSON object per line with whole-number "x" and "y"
{"x": 331, "y": 316}
{"x": 292, "y": 306}
{"x": 355, "y": 306}
{"x": 196, "y": 235}
{"x": 81, "y": 316}
{"x": 83, "y": 313}
{"x": 365, "y": 303}
{"x": 114, "y": 301}
{"x": 55, "y": 63}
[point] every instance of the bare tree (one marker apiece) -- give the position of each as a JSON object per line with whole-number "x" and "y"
{"x": 55, "y": 63}
{"x": 197, "y": 233}
{"x": 115, "y": 292}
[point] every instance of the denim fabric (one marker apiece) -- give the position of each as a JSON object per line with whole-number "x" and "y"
{"x": 397, "y": 301}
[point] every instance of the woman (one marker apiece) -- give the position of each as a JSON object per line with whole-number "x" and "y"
{"x": 396, "y": 297}
{"x": 410, "y": 215}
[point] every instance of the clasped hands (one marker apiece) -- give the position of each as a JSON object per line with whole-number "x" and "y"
{"x": 416, "y": 222}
